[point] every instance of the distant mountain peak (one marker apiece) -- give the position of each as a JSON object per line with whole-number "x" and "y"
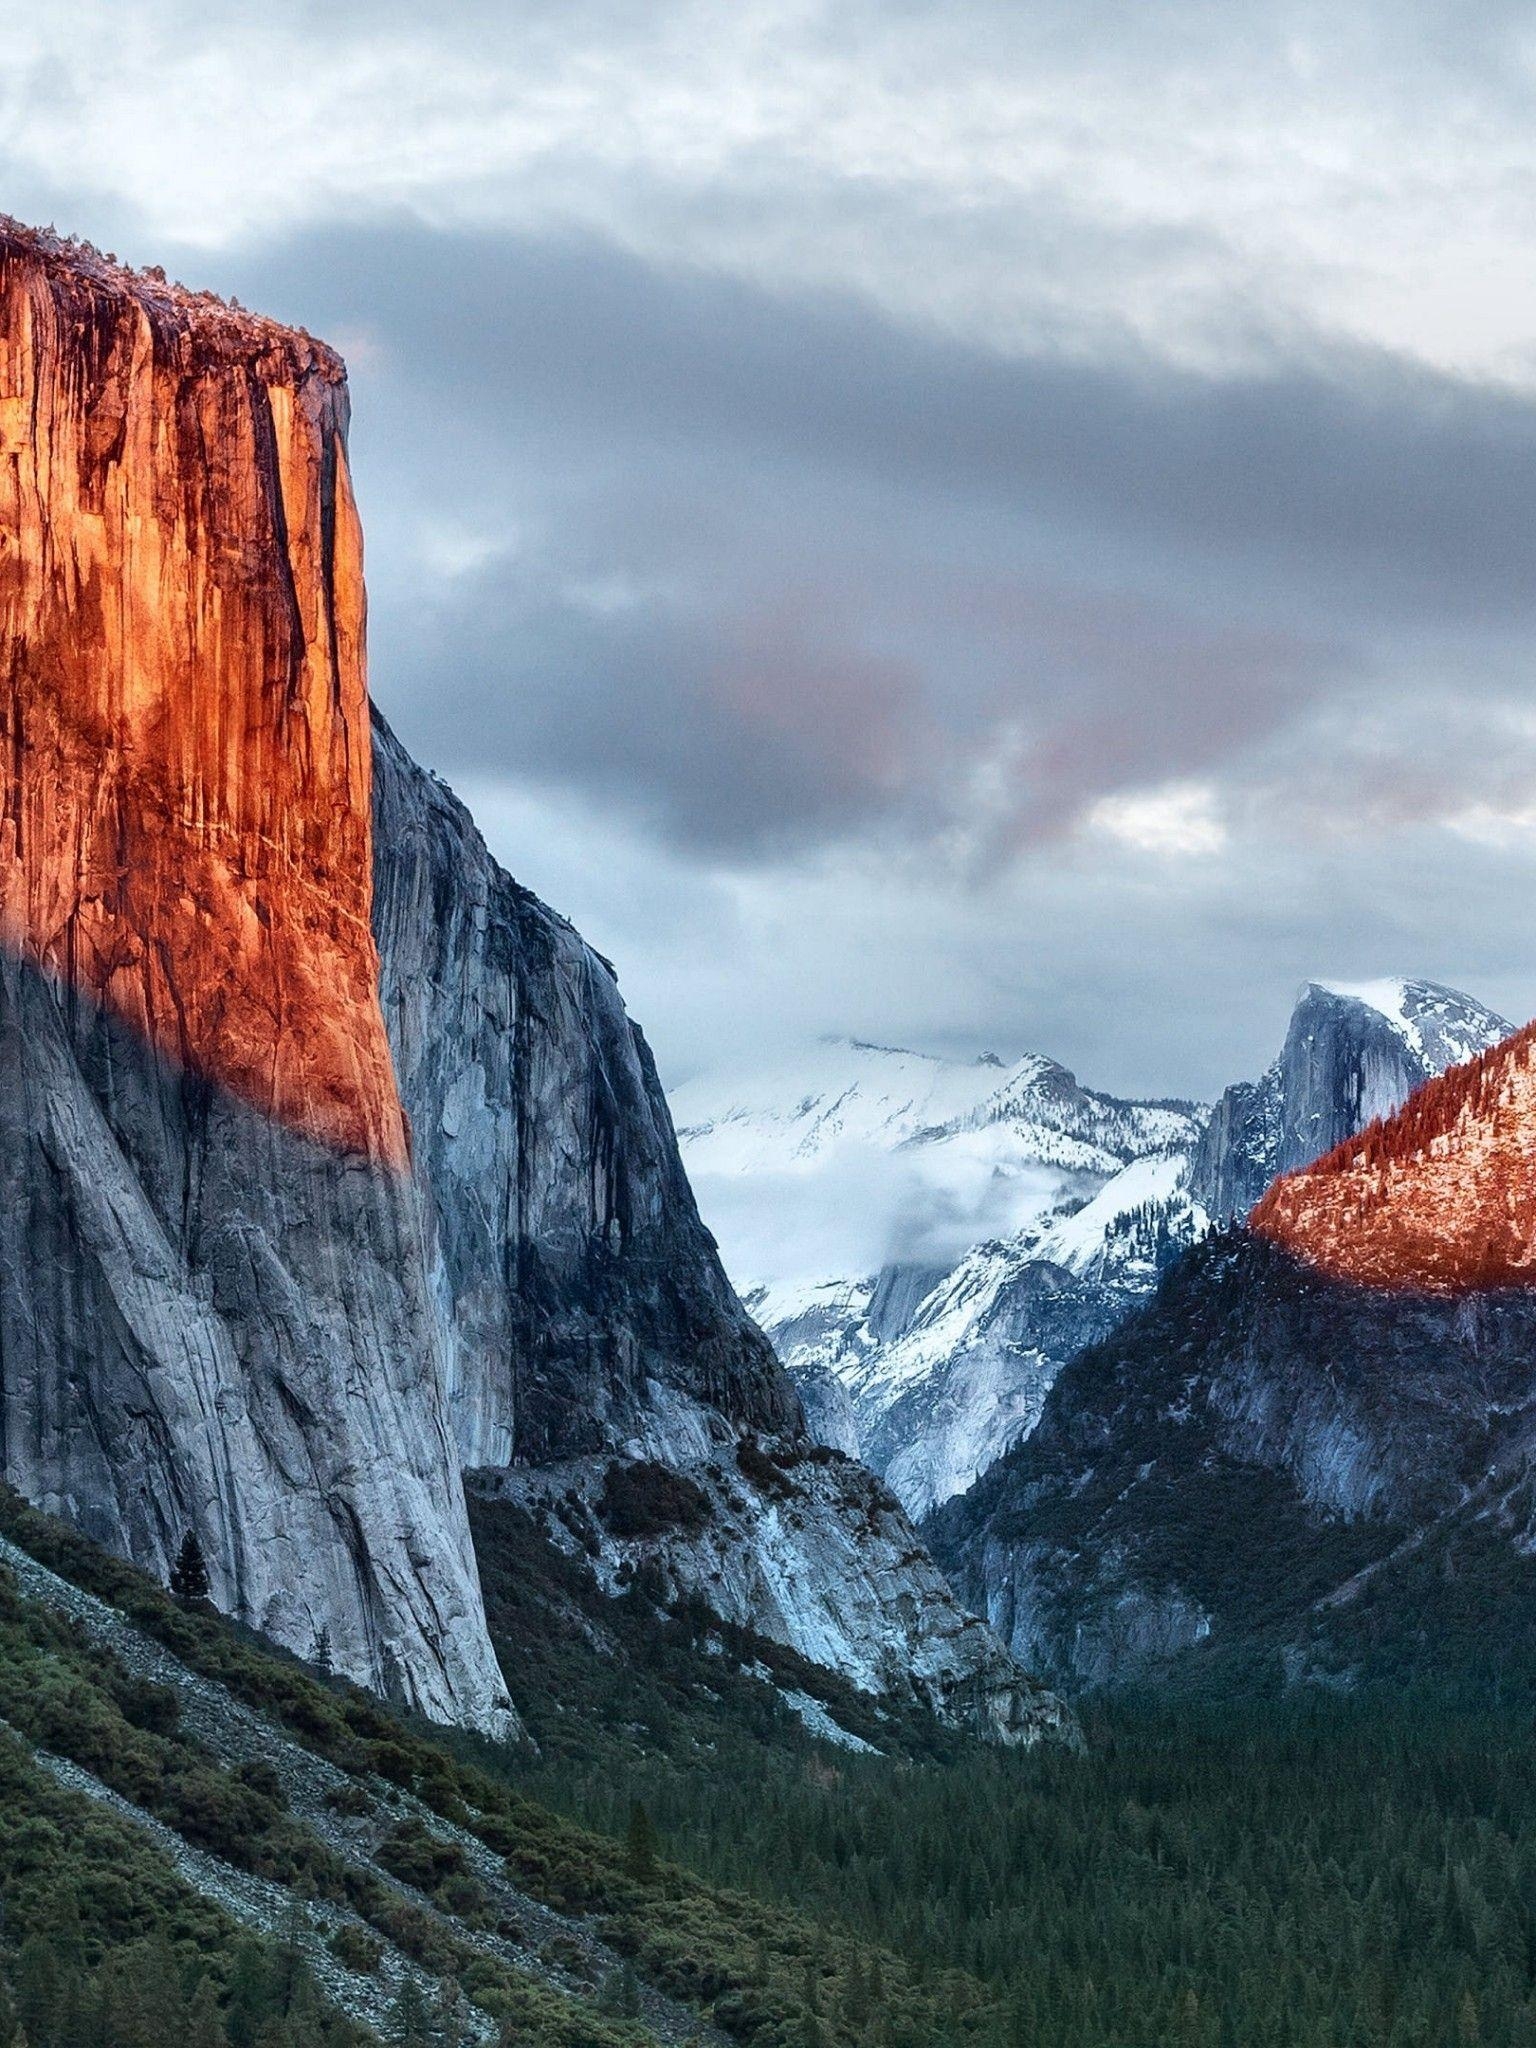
{"x": 1354, "y": 1052}
{"x": 1439, "y": 1196}
{"x": 1440, "y": 1025}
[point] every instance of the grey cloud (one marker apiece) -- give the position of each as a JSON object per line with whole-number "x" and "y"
{"x": 1382, "y": 484}
{"x": 785, "y": 571}
{"x": 752, "y": 735}
{"x": 744, "y": 735}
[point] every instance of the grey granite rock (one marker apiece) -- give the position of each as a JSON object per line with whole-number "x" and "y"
{"x": 585, "y": 1309}
{"x": 573, "y": 1274}
{"x": 1243, "y": 1451}
{"x": 808, "y": 1549}
{"x": 209, "y": 1323}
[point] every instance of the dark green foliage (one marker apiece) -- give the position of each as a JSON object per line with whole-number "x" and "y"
{"x": 1233, "y": 1868}
{"x": 418, "y": 1858}
{"x": 742, "y": 1959}
{"x": 189, "y": 1574}
{"x": 640, "y": 1844}
{"x": 1303, "y": 1870}
{"x": 355, "y": 1950}
{"x": 642, "y": 1499}
{"x": 105, "y": 1947}
{"x": 621, "y": 1993}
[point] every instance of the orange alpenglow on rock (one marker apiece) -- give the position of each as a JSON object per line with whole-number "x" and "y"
{"x": 184, "y": 797}
{"x": 1440, "y": 1197}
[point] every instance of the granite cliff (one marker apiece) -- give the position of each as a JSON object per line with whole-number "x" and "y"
{"x": 1440, "y": 1197}
{"x": 1320, "y": 1420}
{"x": 594, "y": 1348}
{"x": 331, "y": 1164}
{"x": 214, "y": 1309}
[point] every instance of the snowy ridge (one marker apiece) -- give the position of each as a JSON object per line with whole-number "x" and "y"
{"x": 887, "y": 1214}
{"x": 927, "y": 1241}
{"x": 841, "y": 1091}
{"x": 1100, "y": 1238}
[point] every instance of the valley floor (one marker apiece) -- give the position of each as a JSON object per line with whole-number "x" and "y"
{"x": 1314, "y": 1872}
{"x": 202, "y": 1842}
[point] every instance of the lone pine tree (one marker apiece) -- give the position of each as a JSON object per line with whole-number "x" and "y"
{"x": 189, "y": 1574}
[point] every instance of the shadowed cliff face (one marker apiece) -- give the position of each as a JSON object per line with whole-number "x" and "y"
{"x": 214, "y": 1311}
{"x": 586, "y": 1304}
{"x": 1238, "y": 1455}
{"x": 184, "y": 824}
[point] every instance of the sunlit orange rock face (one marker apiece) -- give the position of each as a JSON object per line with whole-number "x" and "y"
{"x": 184, "y": 782}
{"x": 1441, "y": 1196}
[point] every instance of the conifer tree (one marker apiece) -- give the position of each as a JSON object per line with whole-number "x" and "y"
{"x": 248, "y": 2002}
{"x": 640, "y": 1844}
{"x": 451, "y": 2020}
{"x": 411, "y": 2024}
{"x": 39, "y": 1991}
{"x": 205, "y": 2028}
{"x": 629, "y": 1993}
{"x": 189, "y": 1574}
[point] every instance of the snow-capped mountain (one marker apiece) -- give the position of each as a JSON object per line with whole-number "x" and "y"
{"x": 927, "y": 1241}
{"x": 1354, "y": 1051}
{"x": 982, "y": 1222}
{"x": 1323, "y": 1419}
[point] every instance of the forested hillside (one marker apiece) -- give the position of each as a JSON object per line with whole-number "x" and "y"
{"x": 1311, "y": 1869}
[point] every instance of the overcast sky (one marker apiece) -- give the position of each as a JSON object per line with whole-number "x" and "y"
{"x": 969, "y": 523}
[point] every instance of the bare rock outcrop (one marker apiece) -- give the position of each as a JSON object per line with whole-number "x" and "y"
{"x": 214, "y": 1311}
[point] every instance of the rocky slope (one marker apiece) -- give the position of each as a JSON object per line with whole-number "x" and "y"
{"x": 310, "y": 1812}
{"x": 1310, "y": 1404}
{"x": 593, "y": 1340}
{"x": 213, "y": 1306}
{"x": 1026, "y": 1215}
{"x": 332, "y": 1163}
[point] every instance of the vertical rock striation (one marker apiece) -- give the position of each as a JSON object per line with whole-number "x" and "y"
{"x": 184, "y": 828}
{"x": 214, "y": 1310}
{"x": 329, "y": 1160}
{"x": 590, "y": 1329}
{"x": 585, "y": 1302}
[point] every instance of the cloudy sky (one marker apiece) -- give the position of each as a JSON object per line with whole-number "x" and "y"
{"x": 966, "y": 522}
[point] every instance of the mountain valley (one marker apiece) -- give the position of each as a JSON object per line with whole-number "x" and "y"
{"x": 1063, "y": 1575}
{"x": 935, "y": 1362}
{"x": 1319, "y": 1409}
